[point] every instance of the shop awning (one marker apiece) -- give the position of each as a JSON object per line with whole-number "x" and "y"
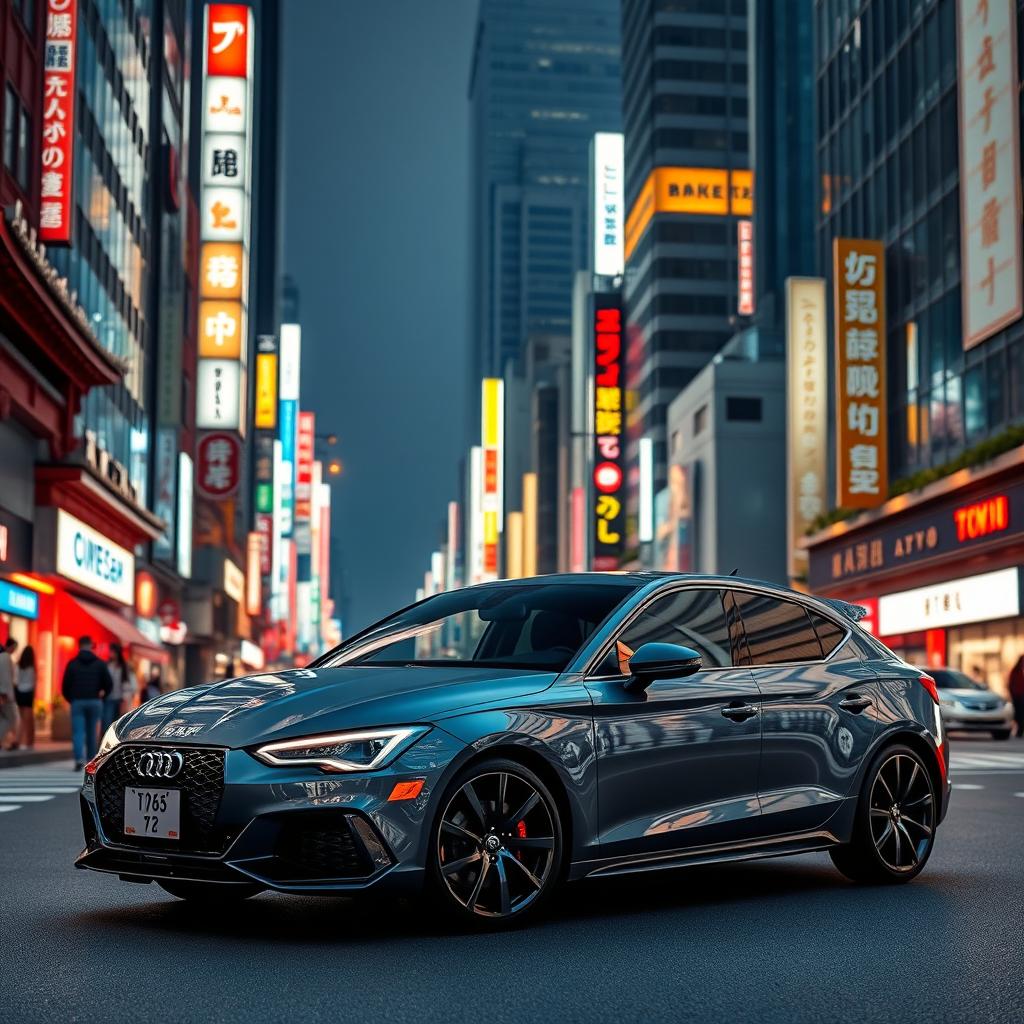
{"x": 127, "y": 633}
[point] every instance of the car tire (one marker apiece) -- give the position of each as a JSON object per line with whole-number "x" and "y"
{"x": 896, "y": 817}
{"x": 1001, "y": 734}
{"x": 497, "y": 819}
{"x": 210, "y": 892}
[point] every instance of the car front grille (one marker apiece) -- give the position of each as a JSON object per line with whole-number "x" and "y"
{"x": 201, "y": 782}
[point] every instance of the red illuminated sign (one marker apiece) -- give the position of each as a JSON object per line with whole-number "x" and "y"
{"x": 609, "y": 426}
{"x": 745, "y": 264}
{"x": 227, "y": 41}
{"x": 304, "y": 466}
{"x": 218, "y": 465}
{"x": 982, "y": 518}
{"x": 58, "y": 129}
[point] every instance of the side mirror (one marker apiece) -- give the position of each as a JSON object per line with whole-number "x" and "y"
{"x": 660, "y": 661}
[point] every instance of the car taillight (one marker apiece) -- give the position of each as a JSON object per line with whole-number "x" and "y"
{"x": 929, "y": 684}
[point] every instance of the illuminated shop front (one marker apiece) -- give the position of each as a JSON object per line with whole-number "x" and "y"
{"x": 940, "y": 570}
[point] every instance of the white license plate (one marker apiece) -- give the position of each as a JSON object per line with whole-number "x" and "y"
{"x": 152, "y": 813}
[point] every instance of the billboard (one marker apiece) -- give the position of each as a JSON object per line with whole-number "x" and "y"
{"x": 608, "y": 175}
{"x": 806, "y": 413}
{"x": 56, "y": 208}
{"x": 858, "y": 269}
{"x": 224, "y": 216}
{"x": 607, "y": 416}
{"x": 990, "y": 181}
{"x": 712, "y": 191}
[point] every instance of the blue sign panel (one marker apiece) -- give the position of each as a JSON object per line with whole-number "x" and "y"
{"x": 18, "y": 601}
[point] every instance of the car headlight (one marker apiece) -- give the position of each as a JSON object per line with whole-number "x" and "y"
{"x": 362, "y": 751}
{"x": 947, "y": 702}
{"x": 109, "y": 741}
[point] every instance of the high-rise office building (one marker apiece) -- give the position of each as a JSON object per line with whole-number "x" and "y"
{"x": 918, "y": 145}
{"x": 544, "y": 78}
{"x": 688, "y": 182}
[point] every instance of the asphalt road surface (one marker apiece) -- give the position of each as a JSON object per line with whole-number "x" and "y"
{"x": 785, "y": 940}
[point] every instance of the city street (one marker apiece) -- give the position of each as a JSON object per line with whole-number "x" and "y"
{"x": 774, "y": 940}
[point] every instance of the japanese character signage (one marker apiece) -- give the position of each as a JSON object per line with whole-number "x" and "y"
{"x": 266, "y": 391}
{"x": 58, "y": 129}
{"x": 224, "y": 216}
{"x": 745, "y": 267}
{"x": 492, "y": 435}
{"x": 862, "y": 479}
{"x": 218, "y": 394}
{"x": 953, "y": 527}
{"x": 608, "y": 430}
{"x": 304, "y": 444}
{"x": 608, "y": 212}
{"x": 990, "y": 183}
{"x": 806, "y": 427}
{"x": 219, "y": 465}
{"x": 982, "y": 598}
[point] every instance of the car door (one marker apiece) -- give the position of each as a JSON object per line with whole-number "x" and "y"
{"x": 677, "y": 764}
{"x": 817, "y": 710}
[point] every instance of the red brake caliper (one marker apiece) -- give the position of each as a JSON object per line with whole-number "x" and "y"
{"x": 521, "y": 832}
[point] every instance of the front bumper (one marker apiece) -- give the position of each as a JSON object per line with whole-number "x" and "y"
{"x": 961, "y": 719}
{"x": 290, "y": 829}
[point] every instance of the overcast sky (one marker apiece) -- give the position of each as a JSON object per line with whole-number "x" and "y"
{"x": 376, "y": 236}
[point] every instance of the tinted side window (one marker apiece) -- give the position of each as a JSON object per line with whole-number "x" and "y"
{"x": 694, "y": 618}
{"x": 777, "y": 631}
{"x": 829, "y": 633}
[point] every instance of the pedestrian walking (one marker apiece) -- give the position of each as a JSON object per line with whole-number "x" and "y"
{"x": 1017, "y": 693}
{"x": 8, "y": 709}
{"x": 25, "y": 697}
{"x": 154, "y": 684}
{"x": 122, "y": 696}
{"x": 85, "y": 686}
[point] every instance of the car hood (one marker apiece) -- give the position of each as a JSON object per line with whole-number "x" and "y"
{"x": 302, "y": 702}
{"x": 971, "y": 696}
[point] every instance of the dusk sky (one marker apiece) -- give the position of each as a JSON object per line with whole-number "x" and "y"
{"x": 376, "y": 234}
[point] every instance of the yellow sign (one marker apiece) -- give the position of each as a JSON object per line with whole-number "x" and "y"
{"x": 806, "y": 426}
{"x": 266, "y": 391}
{"x": 221, "y": 329}
{"x": 220, "y": 270}
{"x": 710, "y": 191}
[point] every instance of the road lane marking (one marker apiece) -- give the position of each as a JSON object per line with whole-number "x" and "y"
{"x": 10, "y": 807}
{"x": 30, "y": 798}
{"x": 966, "y": 785}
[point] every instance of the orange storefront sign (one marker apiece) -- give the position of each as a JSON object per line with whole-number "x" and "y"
{"x": 220, "y": 265}
{"x": 711, "y": 191}
{"x": 220, "y": 329}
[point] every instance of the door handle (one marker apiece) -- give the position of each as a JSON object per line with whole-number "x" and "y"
{"x": 855, "y": 703}
{"x": 738, "y": 711}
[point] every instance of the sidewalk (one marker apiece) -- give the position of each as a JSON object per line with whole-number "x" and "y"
{"x": 44, "y": 751}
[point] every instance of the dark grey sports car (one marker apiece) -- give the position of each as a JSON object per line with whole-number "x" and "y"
{"x": 486, "y": 744}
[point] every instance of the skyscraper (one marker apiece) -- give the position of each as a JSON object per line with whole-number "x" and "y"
{"x": 684, "y": 73}
{"x": 544, "y": 78}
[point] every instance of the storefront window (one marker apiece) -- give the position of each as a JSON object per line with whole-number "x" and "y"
{"x": 987, "y": 651}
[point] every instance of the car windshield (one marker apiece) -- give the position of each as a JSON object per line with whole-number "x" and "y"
{"x": 508, "y": 625}
{"x": 951, "y": 679}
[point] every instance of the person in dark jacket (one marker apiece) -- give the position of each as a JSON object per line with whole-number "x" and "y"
{"x": 86, "y": 683}
{"x": 1017, "y": 694}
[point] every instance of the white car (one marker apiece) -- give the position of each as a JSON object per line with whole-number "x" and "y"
{"x": 970, "y": 706}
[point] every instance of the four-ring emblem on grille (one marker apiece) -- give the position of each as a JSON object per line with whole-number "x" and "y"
{"x": 159, "y": 764}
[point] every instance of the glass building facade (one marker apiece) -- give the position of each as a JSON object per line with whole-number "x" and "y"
{"x": 888, "y": 149}
{"x": 107, "y": 264}
{"x": 685, "y": 105}
{"x": 545, "y": 78}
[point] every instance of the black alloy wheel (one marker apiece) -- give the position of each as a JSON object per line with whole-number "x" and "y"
{"x": 497, "y": 848}
{"x": 896, "y": 820}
